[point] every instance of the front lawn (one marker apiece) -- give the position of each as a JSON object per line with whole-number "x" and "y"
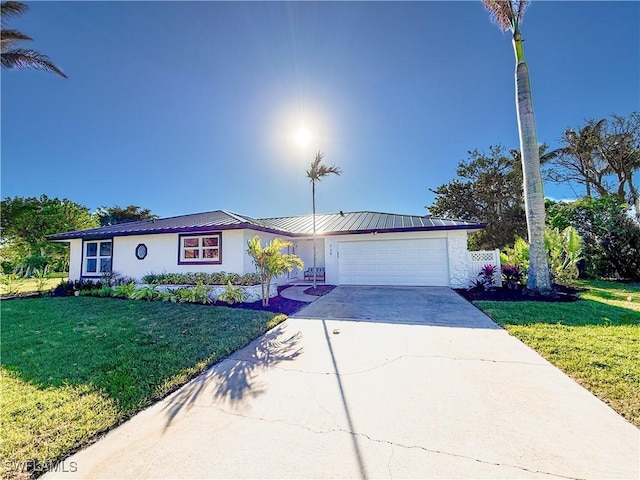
{"x": 30, "y": 285}
{"x": 596, "y": 341}
{"x": 73, "y": 367}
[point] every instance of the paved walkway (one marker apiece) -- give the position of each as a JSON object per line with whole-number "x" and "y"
{"x": 366, "y": 398}
{"x": 297, "y": 293}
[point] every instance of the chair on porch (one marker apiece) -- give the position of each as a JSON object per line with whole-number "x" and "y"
{"x": 308, "y": 274}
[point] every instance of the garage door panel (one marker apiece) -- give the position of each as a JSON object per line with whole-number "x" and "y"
{"x": 394, "y": 262}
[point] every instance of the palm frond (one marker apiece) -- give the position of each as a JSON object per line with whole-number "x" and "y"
{"x": 12, "y": 9}
{"x": 519, "y": 7}
{"x": 23, "y": 58}
{"x": 501, "y": 12}
{"x": 9, "y": 37}
{"x": 317, "y": 170}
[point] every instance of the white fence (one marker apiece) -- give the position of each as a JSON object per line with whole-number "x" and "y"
{"x": 477, "y": 260}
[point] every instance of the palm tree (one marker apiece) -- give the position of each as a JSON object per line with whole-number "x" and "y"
{"x": 508, "y": 15}
{"x": 316, "y": 173}
{"x": 19, "y": 58}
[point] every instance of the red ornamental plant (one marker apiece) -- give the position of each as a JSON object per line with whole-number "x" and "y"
{"x": 487, "y": 275}
{"x": 512, "y": 275}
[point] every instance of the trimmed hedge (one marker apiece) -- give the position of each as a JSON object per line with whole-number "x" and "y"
{"x": 218, "y": 278}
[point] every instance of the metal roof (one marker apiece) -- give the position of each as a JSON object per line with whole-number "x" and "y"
{"x": 365, "y": 222}
{"x": 326, "y": 224}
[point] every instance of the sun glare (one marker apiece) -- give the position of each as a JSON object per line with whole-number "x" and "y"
{"x": 303, "y": 137}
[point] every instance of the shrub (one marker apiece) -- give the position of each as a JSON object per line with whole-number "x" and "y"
{"x": 232, "y": 295}
{"x": 512, "y": 276}
{"x": 124, "y": 290}
{"x": 217, "y": 278}
{"x": 611, "y": 238}
{"x": 564, "y": 250}
{"x": 11, "y": 283}
{"x": 487, "y": 276}
{"x": 144, "y": 293}
{"x": 518, "y": 255}
{"x": 168, "y": 296}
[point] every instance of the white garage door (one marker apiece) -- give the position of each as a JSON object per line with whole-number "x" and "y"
{"x": 394, "y": 262}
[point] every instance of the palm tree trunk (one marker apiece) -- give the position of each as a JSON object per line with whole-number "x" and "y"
{"x": 313, "y": 193}
{"x": 539, "y": 278}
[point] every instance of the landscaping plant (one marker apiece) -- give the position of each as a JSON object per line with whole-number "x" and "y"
{"x": 271, "y": 262}
{"x": 564, "y": 249}
{"x": 232, "y": 295}
{"x": 511, "y": 276}
{"x": 487, "y": 276}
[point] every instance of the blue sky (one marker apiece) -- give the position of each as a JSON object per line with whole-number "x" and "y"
{"x": 189, "y": 107}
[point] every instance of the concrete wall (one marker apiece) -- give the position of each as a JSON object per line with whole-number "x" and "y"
{"x": 457, "y": 251}
{"x": 75, "y": 259}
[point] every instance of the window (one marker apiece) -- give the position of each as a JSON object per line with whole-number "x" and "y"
{"x": 97, "y": 257}
{"x": 200, "y": 249}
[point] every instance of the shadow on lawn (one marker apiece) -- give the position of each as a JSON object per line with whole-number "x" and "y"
{"x": 235, "y": 378}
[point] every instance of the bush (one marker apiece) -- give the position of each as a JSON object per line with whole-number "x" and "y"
{"x": 512, "y": 276}
{"x": 232, "y": 295}
{"x": 217, "y": 278}
{"x": 611, "y": 238}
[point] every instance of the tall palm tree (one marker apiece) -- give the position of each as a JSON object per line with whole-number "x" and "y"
{"x": 19, "y": 58}
{"x": 508, "y": 15}
{"x": 316, "y": 173}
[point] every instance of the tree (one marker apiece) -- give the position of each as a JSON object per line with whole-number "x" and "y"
{"x": 611, "y": 236}
{"x": 317, "y": 172}
{"x": 579, "y": 161}
{"x": 508, "y": 15}
{"x": 19, "y": 58}
{"x": 271, "y": 262}
{"x": 490, "y": 192}
{"x": 603, "y": 155}
{"x": 620, "y": 148}
{"x": 114, "y": 215}
{"x": 26, "y": 222}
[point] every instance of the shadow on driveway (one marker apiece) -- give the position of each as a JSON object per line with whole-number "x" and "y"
{"x": 235, "y": 377}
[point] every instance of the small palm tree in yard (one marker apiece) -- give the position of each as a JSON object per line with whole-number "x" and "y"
{"x": 316, "y": 173}
{"x": 19, "y": 58}
{"x": 271, "y": 262}
{"x": 508, "y": 15}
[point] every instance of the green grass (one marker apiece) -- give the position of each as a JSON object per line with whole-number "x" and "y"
{"x": 76, "y": 366}
{"x": 596, "y": 340}
{"x": 30, "y": 285}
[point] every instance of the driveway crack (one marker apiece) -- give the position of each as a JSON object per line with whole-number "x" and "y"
{"x": 393, "y": 444}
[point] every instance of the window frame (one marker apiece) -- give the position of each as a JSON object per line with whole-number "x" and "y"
{"x": 97, "y": 257}
{"x": 200, "y": 260}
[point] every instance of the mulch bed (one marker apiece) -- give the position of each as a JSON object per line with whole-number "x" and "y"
{"x": 560, "y": 293}
{"x": 320, "y": 290}
{"x": 276, "y": 304}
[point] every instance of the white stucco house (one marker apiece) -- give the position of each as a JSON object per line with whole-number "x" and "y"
{"x": 355, "y": 248}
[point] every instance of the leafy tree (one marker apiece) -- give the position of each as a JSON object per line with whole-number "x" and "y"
{"x": 114, "y": 215}
{"x": 603, "y": 155}
{"x": 271, "y": 262}
{"x": 579, "y": 161}
{"x": 317, "y": 172}
{"x": 25, "y": 224}
{"x": 508, "y": 15}
{"x": 490, "y": 192}
{"x": 611, "y": 236}
{"x": 620, "y": 147}
{"x": 14, "y": 58}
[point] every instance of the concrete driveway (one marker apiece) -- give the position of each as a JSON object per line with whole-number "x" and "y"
{"x": 419, "y": 384}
